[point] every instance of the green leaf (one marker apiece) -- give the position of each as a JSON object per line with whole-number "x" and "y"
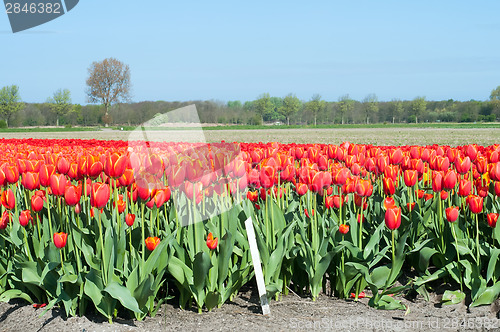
{"x": 14, "y": 294}
{"x": 122, "y": 294}
{"x": 380, "y": 275}
{"x": 144, "y": 291}
{"x": 492, "y": 264}
{"x": 212, "y": 300}
{"x": 452, "y": 297}
{"x": 489, "y": 295}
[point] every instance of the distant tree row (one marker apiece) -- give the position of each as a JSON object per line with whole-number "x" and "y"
{"x": 59, "y": 110}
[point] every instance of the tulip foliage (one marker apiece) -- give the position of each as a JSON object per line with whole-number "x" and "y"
{"x": 108, "y": 225}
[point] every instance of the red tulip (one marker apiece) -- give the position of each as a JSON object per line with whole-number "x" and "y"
{"x": 452, "y": 213}
{"x": 475, "y": 203}
{"x": 444, "y": 194}
{"x": 307, "y": 213}
{"x": 492, "y": 219}
{"x": 464, "y": 188}
{"x": 410, "y": 177}
{"x": 152, "y": 243}
{"x": 343, "y": 229}
{"x": 364, "y": 188}
{"x": 428, "y": 197}
{"x": 46, "y": 172}
{"x": 115, "y": 165}
{"x": 437, "y": 181}
{"x": 497, "y": 188}
{"x": 211, "y": 242}
{"x": 411, "y": 206}
{"x": 462, "y": 165}
{"x": 58, "y": 184}
{"x": 302, "y": 189}
{"x": 129, "y": 219}
{"x": 389, "y": 188}
{"x": 99, "y": 194}
{"x": 8, "y": 199}
{"x": 78, "y": 208}
{"x": 63, "y": 165}
{"x": 72, "y": 194}
{"x": 11, "y": 173}
{"x": 127, "y": 177}
{"x": 6, "y": 219}
{"x": 60, "y": 239}
{"x": 450, "y": 179}
{"x": 389, "y": 203}
{"x": 253, "y": 196}
{"x": 31, "y": 181}
{"x": 25, "y": 218}
{"x": 495, "y": 171}
{"x": 36, "y": 203}
{"x": 121, "y": 206}
{"x": 393, "y": 218}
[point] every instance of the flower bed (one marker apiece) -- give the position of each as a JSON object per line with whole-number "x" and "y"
{"x": 113, "y": 225}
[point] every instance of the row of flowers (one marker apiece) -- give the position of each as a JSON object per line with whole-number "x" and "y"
{"x": 111, "y": 223}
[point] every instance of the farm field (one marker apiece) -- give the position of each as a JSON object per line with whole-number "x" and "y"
{"x": 374, "y": 136}
{"x": 318, "y": 168}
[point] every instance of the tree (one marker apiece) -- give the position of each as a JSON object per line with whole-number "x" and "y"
{"x": 10, "y": 102}
{"x": 60, "y": 103}
{"x": 495, "y": 101}
{"x": 345, "y": 105}
{"x": 108, "y": 83}
{"x": 397, "y": 109}
{"x": 263, "y": 105}
{"x": 370, "y": 105}
{"x": 291, "y": 105}
{"x": 418, "y": 106}
{"x": 315, "y": 105}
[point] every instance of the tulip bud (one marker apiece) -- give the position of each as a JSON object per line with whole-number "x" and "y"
{"x": 393, "y": 218}
{"x": 60, "y": 239}
{"x": 452, "y": 213}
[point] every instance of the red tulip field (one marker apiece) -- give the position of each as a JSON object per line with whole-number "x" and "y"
{"x": 121, "y": 227}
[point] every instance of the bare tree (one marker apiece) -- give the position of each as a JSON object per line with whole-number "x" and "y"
{"x": 108, "y": 83}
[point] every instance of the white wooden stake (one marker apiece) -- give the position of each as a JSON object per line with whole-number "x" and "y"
{"x": 254, "y": 251}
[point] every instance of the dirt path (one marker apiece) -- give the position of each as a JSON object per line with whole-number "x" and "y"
{"x": 289, "y": 314}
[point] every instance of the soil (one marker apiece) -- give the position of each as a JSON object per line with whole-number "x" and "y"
{"x": 289, "y": 313}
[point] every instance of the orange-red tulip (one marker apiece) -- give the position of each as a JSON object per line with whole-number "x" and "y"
{"x": 8, "y": 199}
{"x": 211, "y": 241}
{"x": 492, "y": 218}
{"x": 343, "y": 229}
{"x": 60, "y": 239}
{"x": 152, "y": 243}
{"x": 25, "y": 217}
{"x": 410, "y": 177}
{"x": 393, "y": 218}
{"x": 99, "y": 195}
{"x": 6, "y": 219}
{"x": 452, "y": 213}
{"x": 129, "y": 219}
{"x": 58, "y": 184}
{"x": 36, "y": 203}
{"x": 72, "y": 194}
{"x": 475, "y": 203}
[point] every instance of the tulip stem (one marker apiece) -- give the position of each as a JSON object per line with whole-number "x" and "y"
{"x": 62, "y": 260}
{"x": 458, "y": 256}
{"x": 104, "y": 275}
{"x": 478, "y": 257}
{"x": 142, "y": 230}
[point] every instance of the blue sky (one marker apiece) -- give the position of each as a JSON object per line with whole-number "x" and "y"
{"x": 233, "y": 50}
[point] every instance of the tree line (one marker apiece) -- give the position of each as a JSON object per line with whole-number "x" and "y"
{"x": 108, "y": 92}
{"x": 58, "y": 110}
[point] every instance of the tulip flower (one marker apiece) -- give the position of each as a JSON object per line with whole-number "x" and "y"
{"x": 115, "y": 164}
{"x": 211, "y": 242}
{"x": 36, "y": 203}
{"x": 464, "y": 188}
{"x": 450, "y": 179}
{"x": 452, "y": 213}
{"x": 364, "y": 188}
{"x": 411, "y": 206}
{"x": 63, "y": 165}
{"x": 444, "y": 194}
{"x": 253, "y": 196}
{"x": 60, "y": 239}
{"x": 389, "y": 188}
{"x": 393, "y": 218}
{"x": 343, "y": 229}
{"x": 437, "y": 181}
{"x": 129, "y": 219}
{"x": 389, "y": 203}
{"x": 302, "y": 189}
{"x": 410, "y": 177}
{"x": 31, "y": 181}
{"x": 99, "y": 195}
{"x": 475, "y": 204}
{"x": 58, "y": 184}
{"x": 25, "y": 218}
{"x": 8, "y": 199}
{"x": 307, "y": 213}
{"x": 72, "y": 194}
{"x": 152, "y": 243}
{"x": 492, "y": 218}
{"x": 6, "y": 219}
